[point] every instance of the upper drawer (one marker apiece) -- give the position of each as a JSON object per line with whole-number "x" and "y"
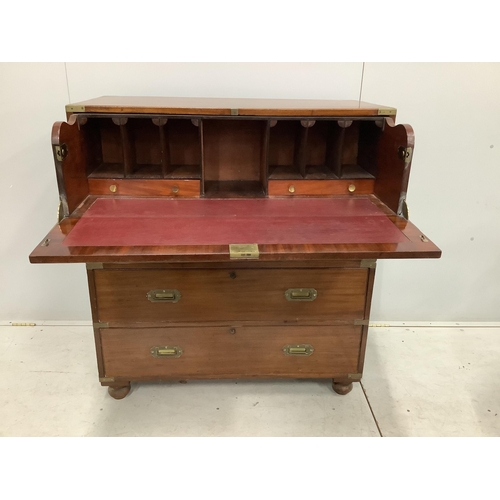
{"x": 152, "y": 296}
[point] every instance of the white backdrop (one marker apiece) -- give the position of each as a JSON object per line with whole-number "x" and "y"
{"x": 454, "y": 193}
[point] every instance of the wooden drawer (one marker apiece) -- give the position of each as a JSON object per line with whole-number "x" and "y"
{"x": 216, "y": 352}
{"x": 225, "y": 295}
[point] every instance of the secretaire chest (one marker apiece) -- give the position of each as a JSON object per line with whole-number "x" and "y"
{"x": 231, "y": 238}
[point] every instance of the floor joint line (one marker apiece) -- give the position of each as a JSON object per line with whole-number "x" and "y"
{"x": 371, "y": 409}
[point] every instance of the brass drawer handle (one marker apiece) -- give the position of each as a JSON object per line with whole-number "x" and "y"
{"x": 164, "y": 296}
{"x": 301, "y": 294}
{"x": 298, "y": 350}
{"x": 166, "y": 352}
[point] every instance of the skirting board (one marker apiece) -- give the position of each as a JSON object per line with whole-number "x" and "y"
{"x": 374, "y": 324}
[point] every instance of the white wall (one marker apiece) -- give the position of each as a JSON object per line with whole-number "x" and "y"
{"x": 453, "y": 193}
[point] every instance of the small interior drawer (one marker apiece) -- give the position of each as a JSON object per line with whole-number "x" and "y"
{"x": 160, "y": 296}
{"x": 227, "y": 352}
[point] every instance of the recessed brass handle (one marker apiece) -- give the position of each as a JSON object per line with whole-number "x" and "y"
{"x": 164, "y": 296}
{"x": 301, "y": 294}
{"x": 166, "y": 351}
{"x": 298, "y": 350}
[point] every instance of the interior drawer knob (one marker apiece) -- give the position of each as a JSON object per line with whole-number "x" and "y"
{"x": 298, "y": 350}
{"x": 301, "y": 294}
{"x": 164, "y": 296}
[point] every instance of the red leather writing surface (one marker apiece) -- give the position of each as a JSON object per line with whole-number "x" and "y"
{"x": 160, "y": 222}
{"x": 288, "y": 207}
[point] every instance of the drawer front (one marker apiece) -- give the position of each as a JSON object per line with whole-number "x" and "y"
{"x": 323, "y": 187}
{"x": 220, "y": 352}
{"x": 223, "y": 295}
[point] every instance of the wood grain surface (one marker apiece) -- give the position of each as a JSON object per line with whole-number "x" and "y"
{"x": 176, "y": 188}
{"x": 225, "y": 106}
{"x": 222, "y": 295}
{"x": 52, "y": 249}
{"x": 71, "y": 171}
{"x": 302, "y": 187}
{"x": 219, "y": 353}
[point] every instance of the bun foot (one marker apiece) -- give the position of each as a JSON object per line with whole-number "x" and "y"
{"x": 119, "y": 392}
{"x": 342, "y": 387}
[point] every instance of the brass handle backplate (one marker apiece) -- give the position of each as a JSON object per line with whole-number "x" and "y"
{"x": 298, "y": 350}
{"x": 164, "y": 296}
{"x": 166, "y": 351}
{"x": 301, "y": 294}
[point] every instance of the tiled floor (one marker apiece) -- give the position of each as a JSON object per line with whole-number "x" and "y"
{"x": 418, "y": 381}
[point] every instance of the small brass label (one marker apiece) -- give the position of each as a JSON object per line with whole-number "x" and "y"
{"x": 250, "y": 251}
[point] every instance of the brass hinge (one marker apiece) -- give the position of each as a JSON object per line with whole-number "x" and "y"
{"x": 244, "y": 251}
{"x": 61, "y": 152}
{"x": 234, "y": 111}
{"x": 106, "y": 379}
{"x": 98, "y": 324}
{"x": 405, "y": 154}
{"x": 94, "y": 265}
{"x": 23, "y": 324}
{"x": 369, "y": 263}
{"x": 361, "y": 322}
{"x": 71, "y": 108}
{"x": 387, "y": 111}
{"x": 355, "y": 376}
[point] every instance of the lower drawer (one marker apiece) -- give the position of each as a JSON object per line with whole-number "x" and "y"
{"x": 225, "y": 352}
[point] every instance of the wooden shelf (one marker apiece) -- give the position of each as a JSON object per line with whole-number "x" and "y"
{"x": 319, "y": 172}
{"x": 184, "y": 172}
{"x": 108, "y": 171}
{"x": 355, "y": 172}
{"x": 234, "y": 189}
{"x": 284, "y": 172}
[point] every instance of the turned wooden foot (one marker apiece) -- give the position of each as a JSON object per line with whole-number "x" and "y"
{"x": 119, "y": 392}
{"x": 341, "y": 386}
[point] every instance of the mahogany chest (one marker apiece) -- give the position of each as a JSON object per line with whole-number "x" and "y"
{"x": 230, "y": 238}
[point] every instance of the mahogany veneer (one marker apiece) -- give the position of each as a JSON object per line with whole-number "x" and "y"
{"x": 154, "y": 191}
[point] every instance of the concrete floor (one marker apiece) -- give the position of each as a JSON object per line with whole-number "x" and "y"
{"x": 418, "y": 382}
